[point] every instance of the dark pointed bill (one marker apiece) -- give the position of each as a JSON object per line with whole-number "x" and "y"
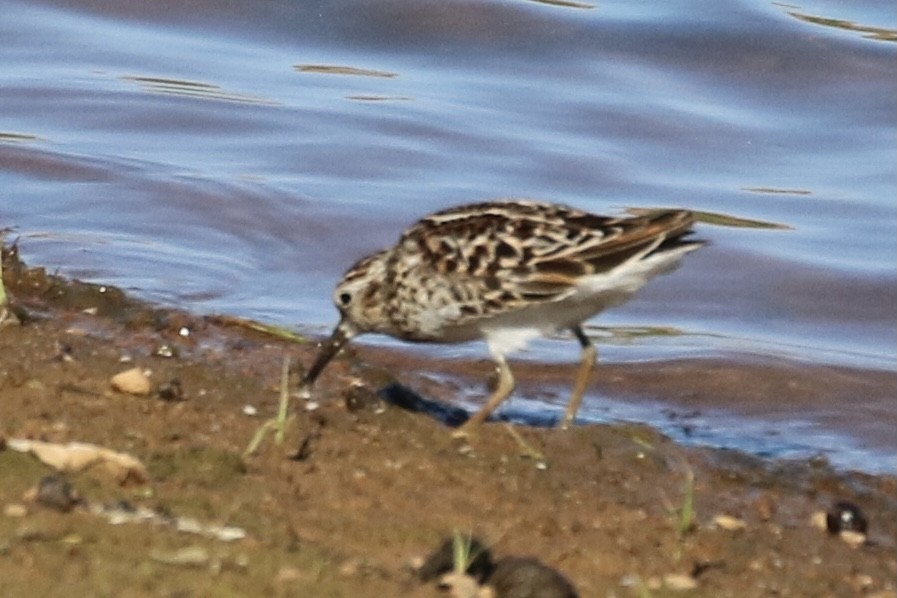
{"x": 341, "y": 335}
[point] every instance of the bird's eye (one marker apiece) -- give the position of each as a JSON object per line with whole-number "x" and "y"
{"x": 345, "y": 298}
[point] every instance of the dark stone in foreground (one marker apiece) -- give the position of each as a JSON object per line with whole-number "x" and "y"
{"x": 510, "y": 577}
{"x": 55, "y": 492}
{"x": 524, "y": 577}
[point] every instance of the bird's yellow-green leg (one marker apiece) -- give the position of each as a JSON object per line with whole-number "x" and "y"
{"x": 498, "y": 396}
{"x": 586, "y": 364}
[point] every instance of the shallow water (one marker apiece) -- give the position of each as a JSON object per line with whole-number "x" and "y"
{"x": 236, "y": 158}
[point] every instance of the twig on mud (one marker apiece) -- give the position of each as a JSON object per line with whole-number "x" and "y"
{"x": 529, "y": 451}
{"x": 275, "y": 331}
{"x": 279, "y": 423}
{"x": 686, "y": 513}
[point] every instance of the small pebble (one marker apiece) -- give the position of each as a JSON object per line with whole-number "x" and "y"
{"x": 228, "y": 534}
{"x": 679, "y": 581}
{"x": 171, "y": 391}
{"x": 190, "y": 556}
{"x": 55, "y": 492}
{"x": 63, "y": 352}
{"x": 844, "y": 520}
{"x": 853, "y": 538}
{"x": 727, "y": 522}
{"x": 15, "y": 510}
{"x": 166, "y": 351}
{"x": 250, "y": 410}
{"x": 8, "y": 318}
{"x": 351, "y": 567}
{"x": 358, "y": 398}
{"x": 288, "y": 575}
{"x": 845, "y": 517}
{"x": 817, "y": 520}
{"x": 133, "y": 381}
{"x": 460, "y": 585}
{"x": 466, "y": 449}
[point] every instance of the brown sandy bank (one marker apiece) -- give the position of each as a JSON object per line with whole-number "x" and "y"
{"x": 360, "y": 488}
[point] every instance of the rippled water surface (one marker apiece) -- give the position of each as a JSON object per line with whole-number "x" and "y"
{"x": 236, "y": 157}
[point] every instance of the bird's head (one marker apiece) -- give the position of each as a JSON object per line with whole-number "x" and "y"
{"x": 358, "y": 297}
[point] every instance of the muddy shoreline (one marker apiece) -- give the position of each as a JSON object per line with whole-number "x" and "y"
{"x": 360, "y": 490}
{"x": 745, "y": 402}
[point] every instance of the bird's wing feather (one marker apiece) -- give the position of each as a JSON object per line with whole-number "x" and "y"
{"x": 507, "y": 255}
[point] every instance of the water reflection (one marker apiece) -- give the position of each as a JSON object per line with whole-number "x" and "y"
{"x": 867, "y": 31}
{"x": 16, "y": 137}
{"x": 774, "y": 191}
{"x": 328, "y": 69}
{"x": 194, "y": 89}
{"x": 564, "y": 3}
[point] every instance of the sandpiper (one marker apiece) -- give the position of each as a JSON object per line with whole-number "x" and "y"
{"x": 505, "y": 272}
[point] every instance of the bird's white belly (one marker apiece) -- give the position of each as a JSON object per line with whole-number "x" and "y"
{"x": 513, "y": 330}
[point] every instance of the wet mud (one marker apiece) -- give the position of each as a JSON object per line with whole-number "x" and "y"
{"x": 362, "y": 490}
